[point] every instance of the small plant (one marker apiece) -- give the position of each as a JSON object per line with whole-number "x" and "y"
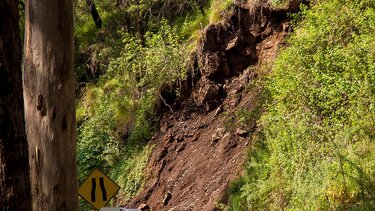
{"x": 220, "y": 10}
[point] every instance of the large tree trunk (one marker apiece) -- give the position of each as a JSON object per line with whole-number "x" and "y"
{"x": 49, "y": 104}
{"x": 15, "y": 191}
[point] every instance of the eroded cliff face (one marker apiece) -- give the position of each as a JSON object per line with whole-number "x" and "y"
{"x": 249, "y": 36}
{"x": 196, "y": 155}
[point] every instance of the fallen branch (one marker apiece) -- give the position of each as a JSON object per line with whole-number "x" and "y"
{"x": 165, "y": 103}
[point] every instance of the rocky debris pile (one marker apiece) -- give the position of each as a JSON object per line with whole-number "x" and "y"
{"x": 227, "y": 48}
{"x": 194, "y": 159}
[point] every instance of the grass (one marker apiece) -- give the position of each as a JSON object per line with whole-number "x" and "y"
{"x": 219, "y": 10}
{"x": 315, "y": 149}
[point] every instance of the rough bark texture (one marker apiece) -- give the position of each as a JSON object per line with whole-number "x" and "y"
{"x": 49, "y": 104}
{"x": 15, "y": 191}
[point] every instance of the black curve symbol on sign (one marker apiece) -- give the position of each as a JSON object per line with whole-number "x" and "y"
{"x": 102, "y": 187}
{"x": 93, "y": 189}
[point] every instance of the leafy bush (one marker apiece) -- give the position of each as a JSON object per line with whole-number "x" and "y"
{"x": 125, "y": 96}
{"x": 317, "y": 151}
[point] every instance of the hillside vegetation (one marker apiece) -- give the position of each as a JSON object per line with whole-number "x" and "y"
{"x": 314, "y": 143}
{"x": 142, "y": 49}
{"x": 315, "y": 149}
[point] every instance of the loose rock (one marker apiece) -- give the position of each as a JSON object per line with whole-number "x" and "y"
{"x": 241, "y": 132}
{"x": 218, "y": 135}
{"x": 166, "y": 199}
{"x": 144, "y": 207}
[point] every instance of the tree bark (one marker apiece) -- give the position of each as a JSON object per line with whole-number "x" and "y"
{"x": 49, "y": 104}
{"x": 15, "y": 191}
{"x": 140, "y": 34}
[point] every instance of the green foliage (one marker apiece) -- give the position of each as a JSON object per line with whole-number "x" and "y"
{"x": 136, "y": 18}
{"x": 193, "y": 23}
{"x": 96, "y": 141}
{"x": 22, "y": 25}
{"x": 235, "y": 201}
{"x": 280, "y": 2}
{"x": 317, "y": 151}
{"x": 219, "y": 10}
{"x": 125, "y": 97}
{"x": 191, "y": 26}
{"x": 126, "y": 15}
{"x": 129, "y": 172}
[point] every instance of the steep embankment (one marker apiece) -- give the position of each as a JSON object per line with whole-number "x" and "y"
{"x": 202, "y": 140}
{"x": 316, "y": 151}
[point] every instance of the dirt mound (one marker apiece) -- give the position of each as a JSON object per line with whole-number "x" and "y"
{"x": 196, "y": 154}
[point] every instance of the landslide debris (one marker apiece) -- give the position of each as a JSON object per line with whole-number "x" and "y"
{"x": 196, "y": 154}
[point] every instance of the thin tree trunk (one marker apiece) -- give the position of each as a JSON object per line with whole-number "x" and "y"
{"x": 94, "y": 14}
{"x": 15, "y": 191}
{"x": 141, "y": 28}
{"x": 49, "y": 104}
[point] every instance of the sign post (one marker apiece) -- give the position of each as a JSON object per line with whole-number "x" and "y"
{"x": 98, "y": 189}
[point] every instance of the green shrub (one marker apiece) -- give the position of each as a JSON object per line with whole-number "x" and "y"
{"x": 126, "y": 94}
{"x": 317, "y": 152}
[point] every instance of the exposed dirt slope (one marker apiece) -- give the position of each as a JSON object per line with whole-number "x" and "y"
{"x": 196, "y": 153}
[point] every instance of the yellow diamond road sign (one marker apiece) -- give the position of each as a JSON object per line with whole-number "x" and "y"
{"x": 98, "y": 189}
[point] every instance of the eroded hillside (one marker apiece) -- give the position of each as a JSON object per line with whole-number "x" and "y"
{"x": 203, "y": 137}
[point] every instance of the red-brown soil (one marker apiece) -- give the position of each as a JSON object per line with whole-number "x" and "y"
{"x": 197, "y": 152}
{"x": 196, "y": 156}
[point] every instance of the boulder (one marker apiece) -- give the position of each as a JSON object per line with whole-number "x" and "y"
{"x": 208, "y": 94}
{"x": 211, "y": 64}
{"x": 214, "y": 37}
